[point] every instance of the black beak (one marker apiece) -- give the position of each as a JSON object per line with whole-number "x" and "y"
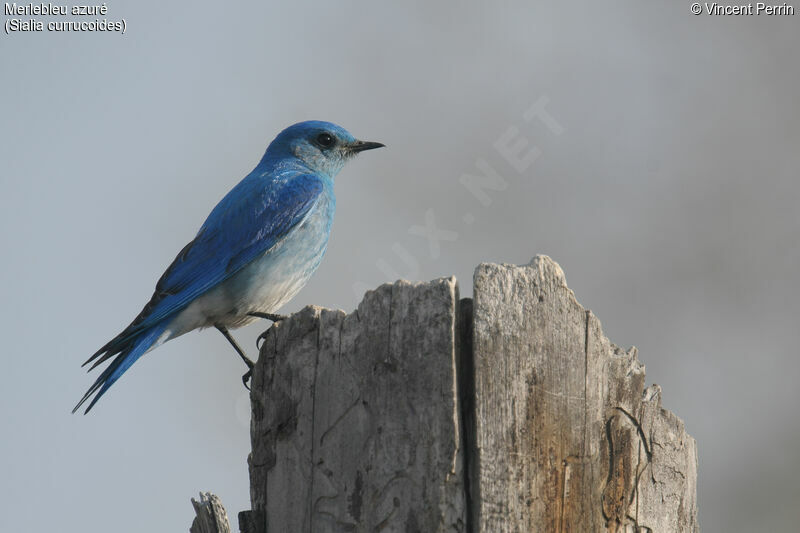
{"x": 360, "y": 146}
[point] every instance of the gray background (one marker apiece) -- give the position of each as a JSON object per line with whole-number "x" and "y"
{"x": 670, "y": 200}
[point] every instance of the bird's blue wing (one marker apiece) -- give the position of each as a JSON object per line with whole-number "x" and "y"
{"x": 251, "y": 219}
{"x": 245, "y": 224}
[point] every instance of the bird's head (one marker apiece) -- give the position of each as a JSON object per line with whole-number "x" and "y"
{"x": 323, "y": 147}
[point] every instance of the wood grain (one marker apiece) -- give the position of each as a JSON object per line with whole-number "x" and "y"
{"x": 355, "y": 422}
{"x": 210, "y": 515}
{"x": 420, "y": 412}
{"x": 567, "y": 439}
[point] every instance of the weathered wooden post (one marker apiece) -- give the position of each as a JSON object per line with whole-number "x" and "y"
{"x": 210, "y": 515}
{"x": 567, "y": 438}
{"x": 355, "y": 422}
{"x": 420, "y": 412}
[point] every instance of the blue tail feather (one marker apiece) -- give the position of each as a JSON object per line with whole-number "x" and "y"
{"x": 131, "y": 350}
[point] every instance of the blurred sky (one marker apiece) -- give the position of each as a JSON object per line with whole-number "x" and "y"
{"x": 670, "y": 199}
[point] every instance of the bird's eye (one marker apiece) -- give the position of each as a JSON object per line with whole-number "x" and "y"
{"x": 325, "y": 140}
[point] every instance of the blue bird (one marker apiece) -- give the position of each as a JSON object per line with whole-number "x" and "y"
{"x": 255, "y": 251}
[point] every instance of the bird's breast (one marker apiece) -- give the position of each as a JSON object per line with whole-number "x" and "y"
{"x": 270, "y": 280}
{"x": 266, "y": 283}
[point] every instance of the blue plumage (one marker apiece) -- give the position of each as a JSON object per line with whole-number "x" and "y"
{"x": 255, "y": 251}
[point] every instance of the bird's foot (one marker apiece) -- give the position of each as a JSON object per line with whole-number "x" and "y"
{"x": 260, "y": 340}
{"x": 269, "y": 316}
{"x": 222, "y": 329}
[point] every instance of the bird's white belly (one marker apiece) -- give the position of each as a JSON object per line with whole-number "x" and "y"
{"x": 266, "y": 283}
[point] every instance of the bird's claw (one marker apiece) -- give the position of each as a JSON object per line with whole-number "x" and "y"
{"x": 260, "y": 339}
{"x": 246, "y": 377}
{"x": 268, "y": 316}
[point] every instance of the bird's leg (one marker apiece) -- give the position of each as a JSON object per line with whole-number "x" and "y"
{"x": 247, "y": 361}
{"x": 268, "y": 316}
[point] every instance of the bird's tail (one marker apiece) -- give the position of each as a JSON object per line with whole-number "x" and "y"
{"x": 128, "y": 348}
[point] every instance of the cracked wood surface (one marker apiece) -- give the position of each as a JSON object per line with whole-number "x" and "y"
{"x": 355, "y": 423}
{"x": 565, "y": 437}
{"x": 210, "y": 515}
{"x": 358, "y": 420}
